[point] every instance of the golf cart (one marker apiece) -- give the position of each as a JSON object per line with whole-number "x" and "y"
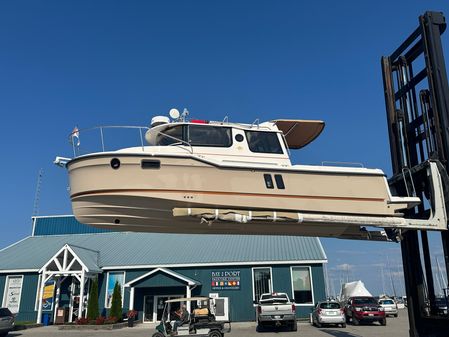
{"x": 200, "y": 322}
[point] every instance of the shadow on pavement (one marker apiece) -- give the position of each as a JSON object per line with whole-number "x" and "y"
{"x": 273, "y": 329}
{"x": 339, "y": 333}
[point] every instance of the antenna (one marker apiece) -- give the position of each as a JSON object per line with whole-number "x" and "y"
{"x": 184, "y": 115}
{"x": 38, "y": 192}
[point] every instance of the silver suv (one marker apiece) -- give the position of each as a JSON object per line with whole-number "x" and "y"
{"x": 6, "y": 321}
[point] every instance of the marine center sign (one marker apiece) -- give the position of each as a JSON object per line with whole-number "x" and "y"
{"x": 225, "y": 280}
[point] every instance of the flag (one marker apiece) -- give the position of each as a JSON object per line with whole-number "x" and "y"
{"x": 75, "y": 135}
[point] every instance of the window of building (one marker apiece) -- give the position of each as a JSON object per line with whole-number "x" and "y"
{"x": 302, "y": 285}
{"x": 261, "y": 282}
{"x": 112, "y": 278}
{"x": 206, "y": 135}
{"x": 263, "y": 142}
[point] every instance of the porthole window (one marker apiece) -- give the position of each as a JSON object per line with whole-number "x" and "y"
{"x": 115, "y": 163}
{"x": 239, "y": 137}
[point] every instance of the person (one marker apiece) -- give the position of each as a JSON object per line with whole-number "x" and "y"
{"x": 181, "y": 316}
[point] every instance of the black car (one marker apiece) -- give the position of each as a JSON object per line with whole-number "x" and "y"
{"x": 6, "y": 321}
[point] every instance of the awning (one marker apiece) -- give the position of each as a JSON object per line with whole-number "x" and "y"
{"x": 298, "y": 133}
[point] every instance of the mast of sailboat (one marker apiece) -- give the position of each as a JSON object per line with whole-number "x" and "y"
{"x": 391, "y": 277}
{"x": 383, "y": 278}
{"x": 326, "y": 275}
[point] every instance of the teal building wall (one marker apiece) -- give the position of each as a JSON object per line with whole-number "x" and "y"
{"x": 241, "y": 307}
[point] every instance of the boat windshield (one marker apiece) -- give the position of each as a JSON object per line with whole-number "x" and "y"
{"x": 205, "y": 135}
{"x": 170, "y": 136}
{"x": 196, "y": 135}
{"x": 263, "y": 142}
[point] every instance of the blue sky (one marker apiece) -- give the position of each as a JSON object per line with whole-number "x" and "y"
{"x": 87, "y": 63}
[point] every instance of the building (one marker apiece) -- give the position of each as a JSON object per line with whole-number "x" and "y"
{"x": 53, "y": 268}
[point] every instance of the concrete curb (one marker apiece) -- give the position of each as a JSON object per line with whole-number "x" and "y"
{"x": 93, "y": 327}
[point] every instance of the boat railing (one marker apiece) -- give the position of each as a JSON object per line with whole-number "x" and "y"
{"x": 179, "y": 142}
{"x": 341, "y": 164}
{"x": 101, "y": 139}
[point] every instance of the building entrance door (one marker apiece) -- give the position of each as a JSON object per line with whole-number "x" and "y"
{"x": 221, "y": 308}
{"x": 159, "y": 303}
{"x": 148, "y": 308}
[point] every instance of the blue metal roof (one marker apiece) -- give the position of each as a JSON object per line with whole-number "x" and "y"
{"x": 131, "y": 250}
{"x": 62, "y": 224}
{"x": 89, "y": 257}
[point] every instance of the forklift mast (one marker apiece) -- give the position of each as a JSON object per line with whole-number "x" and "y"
{"x": 417, "y": 102}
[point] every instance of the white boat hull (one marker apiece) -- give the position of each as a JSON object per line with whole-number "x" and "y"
{"x": 137, "y": 199}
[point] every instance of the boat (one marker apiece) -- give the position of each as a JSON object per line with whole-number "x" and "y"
{"x": 197, "y": 176}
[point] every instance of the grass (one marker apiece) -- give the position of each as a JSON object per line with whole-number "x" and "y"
{"x": 25, "y": 323}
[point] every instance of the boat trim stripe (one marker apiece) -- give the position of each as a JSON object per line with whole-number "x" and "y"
{"x": 224, "y": 167}
{"x": 266, "y": 195}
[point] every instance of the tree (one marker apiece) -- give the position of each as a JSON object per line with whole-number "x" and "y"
{"x": 92, "y": 304}
{"x": 116, "y": 302}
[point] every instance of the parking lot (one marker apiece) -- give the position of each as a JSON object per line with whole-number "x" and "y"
{"x": 396, "y": 327}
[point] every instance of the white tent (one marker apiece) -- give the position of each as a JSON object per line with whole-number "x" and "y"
{"x": 356, "y": 288}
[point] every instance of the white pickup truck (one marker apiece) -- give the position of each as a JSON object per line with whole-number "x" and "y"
{"x": 275, "y": 309}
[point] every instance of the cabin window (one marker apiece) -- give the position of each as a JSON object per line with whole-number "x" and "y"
{"x": 268, "y": 181}
{"x": 261, "y": 282}
{"x": 263, "y": 142}
{"x": 170, "y": 136}
{"x": 279, "y": 181}
{"x": 302, "y": 285}
{"x": 206, "y": 135}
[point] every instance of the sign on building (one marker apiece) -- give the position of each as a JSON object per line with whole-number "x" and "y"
{"x": 13, "y": 293}
{"x": 48, "y": 296}
{"x": 225, "y": 280}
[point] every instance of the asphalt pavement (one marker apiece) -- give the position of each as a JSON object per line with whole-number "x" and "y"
{"x": 396, "y": 327}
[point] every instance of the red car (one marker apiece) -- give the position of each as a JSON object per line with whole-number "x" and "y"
{"x": 364, "y": 309}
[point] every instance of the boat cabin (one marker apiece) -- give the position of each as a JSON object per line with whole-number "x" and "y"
{"x": 266, "y": 140}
